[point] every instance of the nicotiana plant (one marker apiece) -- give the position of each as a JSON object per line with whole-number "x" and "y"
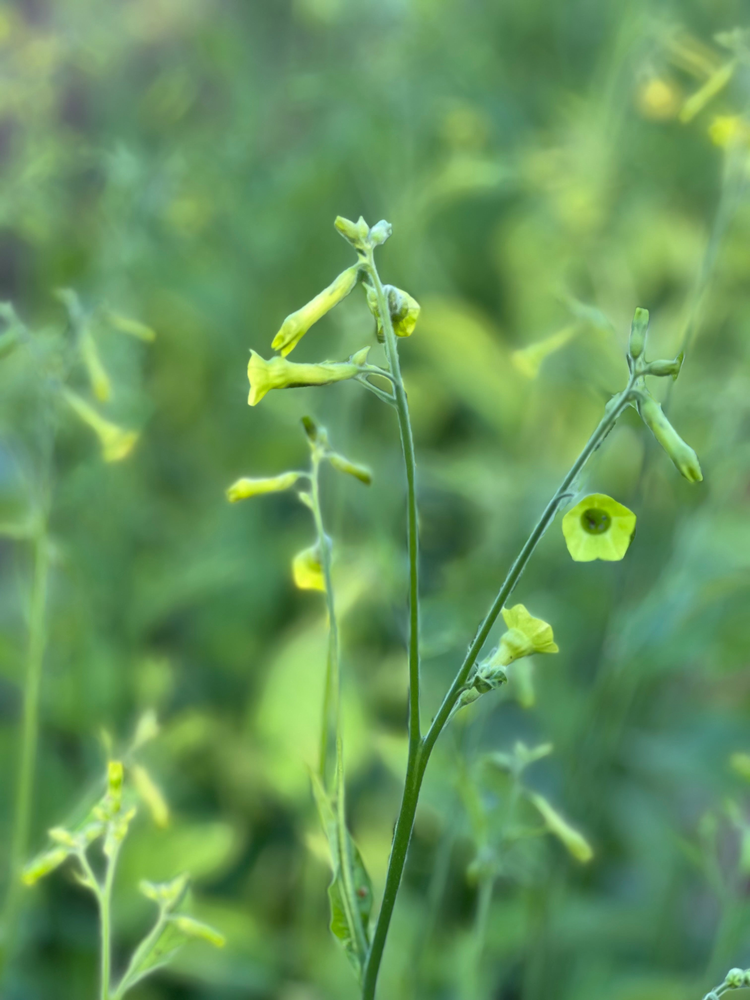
{"x": 93, "y": 847}
{"x": 48, "y": 375}
{"x": 597, "y": 527}
{"x": 57, "y": 371}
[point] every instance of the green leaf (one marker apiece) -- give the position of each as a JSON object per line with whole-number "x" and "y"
{"x": 350, "y": 891}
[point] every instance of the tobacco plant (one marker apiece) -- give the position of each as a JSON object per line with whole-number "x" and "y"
{"x": 596, "y": 527}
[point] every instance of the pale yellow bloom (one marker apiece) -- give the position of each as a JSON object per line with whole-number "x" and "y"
{"x": 278, "y": 373}
{"x": 526, "y": 635}
{"x": 296, "y": 325}
{"x": 307, "y": 569}
{"x": 246, "y": 487}
{"x": 116, "y": 441}
{"x": 404, "y": 310}
{"x": 598, "y": 527}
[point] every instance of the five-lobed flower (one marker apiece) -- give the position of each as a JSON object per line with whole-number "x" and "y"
{"x": 598, "y": 527}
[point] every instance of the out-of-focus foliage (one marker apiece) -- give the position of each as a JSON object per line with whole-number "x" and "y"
{"x": 547, "y": 168}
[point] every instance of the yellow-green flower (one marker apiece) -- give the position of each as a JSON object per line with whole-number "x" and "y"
{"x": 598, "y": 528}
{"x": 247, "y": 487}
{"x": 278, "y": 373}
{"x": 307, "y": 569}
{"x": 116, "y": 441}
{"x": 296, "y": 325}
{"x": 526, "y": 635}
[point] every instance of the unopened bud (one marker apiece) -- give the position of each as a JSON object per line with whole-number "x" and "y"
{"x": 197, "y": 929}
{"x": 350, "y": 468}
{"x": 683, "y": 456}
{"x": 664, "y": 368}
{"x": 115, "y": 774}
{"x": 638, "y": 331}
{"x": 355, "y": 232}
{"x": 735, "y": 977}
{"x": 43, "y": 865}
{"x": 380, "y": 232}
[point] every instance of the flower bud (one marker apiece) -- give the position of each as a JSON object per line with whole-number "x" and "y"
{"x": 663, "y": 368}
{"x": 296, "y": 325}
{"x": 350, "y": 468}
{"x": 115, "y": 774}
{"x": 43, "y": 865}
{"x": 575, "y": 843}
{"x": 100, "y": 381}
{"x": 247, "y": 487}
{"x": 151, "y": 795}
{"x": 197, "y": 929}
{"x": 638, "y": 331}
{"x": 355, "y": 232}
{"x": 380, "y": 232}
{"x": 735, "y": 977}
{"x": 681, "y": 453}
{"x": 124, "y": 324}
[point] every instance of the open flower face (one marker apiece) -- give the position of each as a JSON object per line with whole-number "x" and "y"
{"x": 598, "y": 528}
{"x": 278, "y": 373}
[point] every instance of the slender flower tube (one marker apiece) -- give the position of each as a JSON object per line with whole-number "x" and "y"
{"x": 296, "y": 325}
{"x": 278, "y": 373}
{"x": 116, "y": 441}
{"x": 246, "y": 487}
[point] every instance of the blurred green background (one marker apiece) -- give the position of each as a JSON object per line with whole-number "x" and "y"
{"x": 181, "y": 162}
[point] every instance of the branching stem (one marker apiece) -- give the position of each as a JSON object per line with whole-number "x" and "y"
{"x": 419, "y": 754}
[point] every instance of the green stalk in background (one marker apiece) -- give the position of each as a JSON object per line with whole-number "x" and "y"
{"x": 36, "y": 644}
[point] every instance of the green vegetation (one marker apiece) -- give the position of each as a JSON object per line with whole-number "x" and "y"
{"x": 303, "y": 679}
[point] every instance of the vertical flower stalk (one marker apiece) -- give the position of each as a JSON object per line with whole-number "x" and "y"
{"x": 36, "y": 645}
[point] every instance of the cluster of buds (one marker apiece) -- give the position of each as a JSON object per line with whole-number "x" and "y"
{"x": 735, "y": 979}
{"x": 278, "y": 373}
{"x": 683, "y": 456}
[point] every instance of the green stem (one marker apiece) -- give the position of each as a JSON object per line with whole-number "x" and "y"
{"x": 410, "y": 463}
{"x": 418, "y": 759}
{"x": 37, "y": 639}
{"x": 332, "y": 696}
{"x": 131, "y": 977}
{"x": 479, "y": 935}
{"x": 105, "y": 922}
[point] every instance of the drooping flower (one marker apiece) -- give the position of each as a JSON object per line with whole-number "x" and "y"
{"x": 526, "y": 635}
{"x": 307, "y": 569}
{"x": 247, "y": 487}
{"x": 296, "y": 325}
{"x": 574, "y": 842}
{"x": 278, "y": 373}
{"x": 116, "y": 441}
{"x": 598, "y": 527}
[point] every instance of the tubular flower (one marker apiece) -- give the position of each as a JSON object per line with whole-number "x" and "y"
{"x": 116, "y": 441}
{"x": 526, "y": 635}
{"x": 278, "y": 373}
{"x": 683, "y": 456}
{"x": 598, "y": 528}
{"x": 246, "y": 487}
{"x": 296, "y": 325}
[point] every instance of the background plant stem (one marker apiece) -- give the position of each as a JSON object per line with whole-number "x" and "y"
{"x": 37, "y": 640}
{"x": 332, "y": 696}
